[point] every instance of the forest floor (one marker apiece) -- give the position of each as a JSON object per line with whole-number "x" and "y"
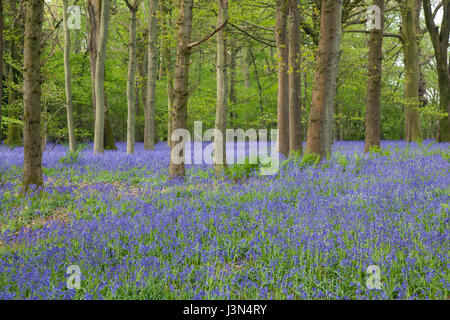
{"x": 311, "y": 231}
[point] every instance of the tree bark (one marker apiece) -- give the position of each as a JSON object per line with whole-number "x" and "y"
{"x": 100, "y": 78}
{"x": 373, "y": 98}
{"x": 282, "y": 10}
{"x": 181, "y": 92}
{"x": 439, "y": 39}
{"x": 411, "y": 61}
{"x": 68, "y": 79}
{"x": 232, "y": 80}
{"x": 94, "y": 9}
{"x": 222, "y": 93}
{"x": 131, "y": 100}
{"x": 16, "y": 29}
{"x": 167, "y": 58}
{"x": 295, "y": 80}
{"x": 32, "y": 165}
{"x": 319, "y": 135}
{"x": 95, "y": 13}
{"x": 150, "y": 131}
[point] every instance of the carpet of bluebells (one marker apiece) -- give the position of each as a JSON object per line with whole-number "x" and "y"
{"x": 309, "y": 232}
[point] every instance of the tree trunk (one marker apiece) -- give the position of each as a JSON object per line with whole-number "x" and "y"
{"x": 232, "y": 80}
{"x": 440, "y": 46}
{"x": 95, "y": 14}
{"x": 245, "y": 67}
{"x": 131, "y": 80}
{"x": 150, "y": 131}
{"x": 169, "y": 67}
{"x": 68, "y": 79}
{"x": 282, "y": 10}
{"x": 16, "y": 29}
{"x": 319, "y": 135}
{"x": 181, "y": 91}
{"x": 99, "y": 146}
{"x": 222, "y": 93}
{"x": 295, "y": 79}
{"x": 94, "y": 10}
{"x": 32, "y": 165}
{"x": 411, "y": 81}
{"x": 373, "y": 122}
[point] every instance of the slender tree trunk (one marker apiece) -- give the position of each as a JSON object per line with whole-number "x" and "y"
{"x": 411, "y": 82}
{"x": 169, "y": 67}
{"x": 245, "y": 67}
{"x": 16, "y": 29}
{"x": 181, "y": 91}
{"x": 94, "y": 9}
{"x": 95, "y": 12}
{"x": 282, "y": 10}
{"x": 150, "y": 132}
{"x": 439, "y": 39}
{"x": 373, "y": 122}
{"x": 68, "y": 79}
{"x": 295, "y": 79}
{"x": 222, "y": 93}
{"x": 100, "y": 78}
{"x": 131, "y": 138}
{"x": 319, "y": 135}
{"x": 142, "y": 84}
{"x": 32, "y": 165}
{"x": 232, "y": 81}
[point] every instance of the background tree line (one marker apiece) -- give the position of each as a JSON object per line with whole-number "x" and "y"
{"x": 138, "y": 69}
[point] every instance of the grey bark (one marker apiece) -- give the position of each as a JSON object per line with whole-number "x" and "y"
{"x": 295, "y": 80}
{"x": 131, "y": 100}
{"x": 68, "y": 80}
{"x": 222, "y": 93}
{"x": 150, "y": 132}
{"x": 100, "y": 78}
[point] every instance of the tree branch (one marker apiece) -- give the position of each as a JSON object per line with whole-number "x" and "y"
{"x": 389, "y": 35}
{"x": 207, "y": 37}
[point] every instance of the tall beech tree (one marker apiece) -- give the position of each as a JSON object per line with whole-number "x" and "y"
{"x": 412, "y": 76}
{"x": 167, "y": 60}
{"x": 131, "y": 99}
{"x": 222, "y": 92}
{"x": 282, "y": 12}
{"x": 181, "y": 84}
{"x": 149, "y": 130}
{"x": 68, "y": 79}
{"x": 100, "y": 78}
{"x": 32, "y": 165}
{"x": 440, "y": 39}
{"x": 319, "y": 137}
{"x": 373, "y": 96}
{"x": 295, "y": 80}
{"x": 94, "y": 8}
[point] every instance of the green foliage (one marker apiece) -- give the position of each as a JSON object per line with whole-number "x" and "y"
{"x": 374, "y": 150}
{"x": 241, "y": 172}
{"x": 310, "y": 159}
{"x": 72, "y": 157}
